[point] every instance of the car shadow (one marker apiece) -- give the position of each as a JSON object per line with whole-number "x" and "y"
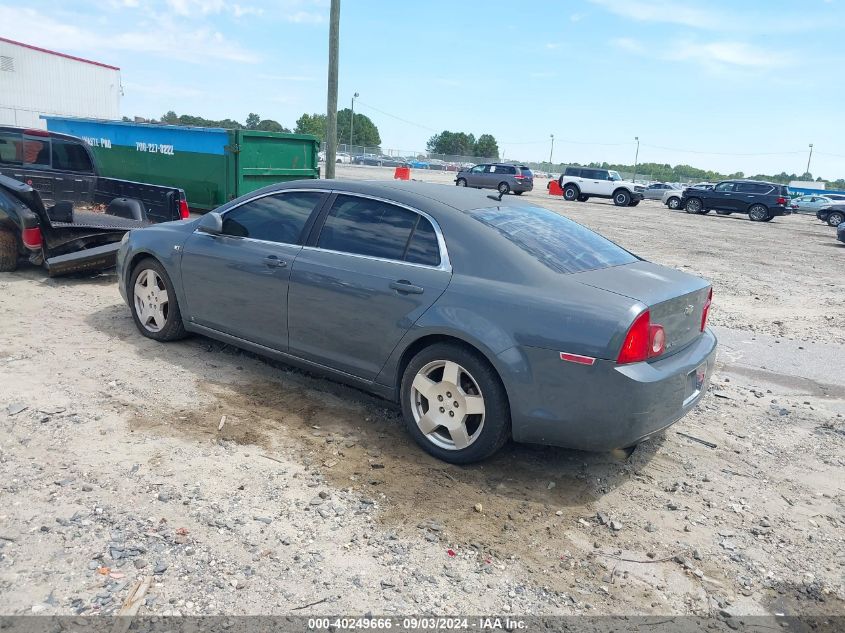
{"x": 38, "y": 274}
{"x": 278, "y": 407}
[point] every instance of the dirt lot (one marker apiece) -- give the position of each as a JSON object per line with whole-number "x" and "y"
{"x": 113, "y": 465}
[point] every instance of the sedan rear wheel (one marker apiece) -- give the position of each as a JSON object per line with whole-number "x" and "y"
{"x": 674, "y": 203}
{"x": 454, "y": 404}
{"x": 504, "y": 188}
{"x": 154, "y": 306}
{"x": 836, "y": 218}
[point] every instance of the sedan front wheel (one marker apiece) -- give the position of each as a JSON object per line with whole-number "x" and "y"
{"x": 155, "y": 309}
{"x": 454, "y": 404}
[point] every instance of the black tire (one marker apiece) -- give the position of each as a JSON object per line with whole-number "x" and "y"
{"x": 461, "y": 182}
{"x": 497, "y": 421}
{"x": 633, "y": 203}
{"x": 173, "y": 328}
{"x": 621, "y": 198}
{"x": 8, "y": 252}
{"x": 723, "y": 212}
{"x": 583, "y": 198}
{"x": 674, "y": 203}
{"x": 835, "y": 218}
{"x": 694, "y": 205}
{"x": 758, "y": 213}
{"x": 504, "y": 188}
{"x": 769, "y": 219}
{"x": 518, "y": 193}
{"x": 571, "y": 193}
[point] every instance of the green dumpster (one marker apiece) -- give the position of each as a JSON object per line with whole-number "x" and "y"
{"x": 212, "y": 165}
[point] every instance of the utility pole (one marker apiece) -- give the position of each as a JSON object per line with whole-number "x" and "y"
{"x": 331, "y": 100}
{"x": 552, "y": 150}
{"x": 810, "y": 158}
{"x": 636, "y": 157}
{"x": 352, "y": 121}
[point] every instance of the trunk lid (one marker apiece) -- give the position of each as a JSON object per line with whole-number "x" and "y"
{"x": 675, "y": 299}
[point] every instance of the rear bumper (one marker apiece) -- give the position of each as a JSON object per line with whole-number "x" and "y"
{"x": 605, "y": 405}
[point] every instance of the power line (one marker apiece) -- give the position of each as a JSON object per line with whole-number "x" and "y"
{"x": 692, "y": 151}
{"x": 398, "y": 118}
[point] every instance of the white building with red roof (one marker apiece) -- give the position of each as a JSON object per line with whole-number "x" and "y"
{"x": 35, "y": 81}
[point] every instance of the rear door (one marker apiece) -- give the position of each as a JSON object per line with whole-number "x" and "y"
{"x": 374, "y": 268}
{"x": 237, "y": 283}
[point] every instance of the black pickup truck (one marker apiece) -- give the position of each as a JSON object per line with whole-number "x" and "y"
{"x": 56, "y": 211}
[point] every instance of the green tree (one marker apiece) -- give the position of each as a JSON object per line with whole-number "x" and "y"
{"x": 487, "y": 146}
{"x": 252, "y": 121}
{"x": 452, "y": 143}
{"x": 171, "y": 118}
{"x": 314, "y": 124}
{"x": 365, "y": 131}
{"x": 269, "y": 125}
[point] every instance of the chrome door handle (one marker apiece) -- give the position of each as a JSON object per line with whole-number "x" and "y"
{"x": 274, "y": 262}
{"x": 404, "y": 286}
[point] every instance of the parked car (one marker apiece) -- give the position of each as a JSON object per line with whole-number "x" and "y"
{"x": 809, "y": 204}
{"x": 657, "y": 190}
{"x": 583, "y": 183}
{"x": 342, "y": 157}
{"x": 672, "y": 198}
{"x": 419, "y": 163}
{"x": 840, "y": 232}
{"x": 58, "y": 212}
{"x": 505, "y": 178}
{"x": 833, "y": 214}
{"x": 762, "y": 201}
{"x": 368, "y": 159}
{"x": 483, "y": 319}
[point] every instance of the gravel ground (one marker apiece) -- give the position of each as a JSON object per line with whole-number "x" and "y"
{"x": 239, "y": 486}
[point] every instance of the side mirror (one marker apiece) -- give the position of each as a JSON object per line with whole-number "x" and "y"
{"x": 211, "y": 223}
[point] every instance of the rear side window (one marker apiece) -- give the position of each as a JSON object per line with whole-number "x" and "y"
{"x": 363, "y": 226}
{"x": 69, "y": 156}
{"x": 277, "y": 218}
{"x": 526, "y": 172}
{"x": 752, "y": 187}
{"x": 572, "y": 171}
{"x": 11, "y": 148}
{"x": 553, "y": 240}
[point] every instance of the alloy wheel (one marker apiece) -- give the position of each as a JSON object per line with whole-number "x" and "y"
{"x": 151, "y": 300}
{"x": 447, "y": 405}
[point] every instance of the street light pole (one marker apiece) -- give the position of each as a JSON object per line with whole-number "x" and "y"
{"x": 636, "y": 157}
{"x": 352, "y": 121}
{"x": 331, "y": 98}
{"x": 552, "y": 150}
{"x": 809, "y": 158}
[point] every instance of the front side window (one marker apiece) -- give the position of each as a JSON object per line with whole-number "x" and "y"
{"x": 36, "y": 151}
{"x": 276, "y": 218}
{"x": 478, "y": 169}
{"x": 362, "y": 226}
{"x": 69, "y": 156}
{"x": 725, "y": 186}
{"x": 553, "y": 240}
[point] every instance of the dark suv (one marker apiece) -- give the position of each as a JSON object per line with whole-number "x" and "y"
{"x": 506, "y": 178}
{"x": 762, "y": 201}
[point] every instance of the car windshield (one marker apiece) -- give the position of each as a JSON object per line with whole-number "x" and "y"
{"x": 614, "y": 175}
{"x": 553, "y": 240}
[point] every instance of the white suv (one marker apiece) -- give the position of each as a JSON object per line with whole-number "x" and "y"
{"x": 583, "y": 183}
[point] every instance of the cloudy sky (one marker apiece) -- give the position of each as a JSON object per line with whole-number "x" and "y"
{"x": 717, "y": 84}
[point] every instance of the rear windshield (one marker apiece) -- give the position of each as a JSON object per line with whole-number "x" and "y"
{"x": 553, "y": 240}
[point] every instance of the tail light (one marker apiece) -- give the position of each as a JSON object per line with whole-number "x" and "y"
{"x": 706, "y": 311}
{"x": 781, "y": 201}
{"x": 644, "y": 340}
{"x": 31, "y": 238}
{"x": 184, "y": 211}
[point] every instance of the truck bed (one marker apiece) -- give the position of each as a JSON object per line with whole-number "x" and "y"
{"x": 91, "y": 220}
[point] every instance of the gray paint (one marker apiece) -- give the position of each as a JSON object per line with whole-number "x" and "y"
{"x": 336, "y": 313}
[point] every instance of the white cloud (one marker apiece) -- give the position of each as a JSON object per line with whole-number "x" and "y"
{"x": 660, "y": 11}
{"x": 170, "y": 40}
{"x": 553, "y": 45}
{"x": 304, "y": 17}
{"x": 576, "y": 17}
{"x": 161, "y": 89}
{"x": 628, "y": 44}
{"x": 736, "y": 54}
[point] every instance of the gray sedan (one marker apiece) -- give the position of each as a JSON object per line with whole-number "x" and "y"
{"x": 484, "y": 318}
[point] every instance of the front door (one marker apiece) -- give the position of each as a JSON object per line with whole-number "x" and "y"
{"x": 237, "y": 283}
{"x": 375, "y": 269}
{"x": 475, "y": 176}
{"x": 722, "y": 197}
